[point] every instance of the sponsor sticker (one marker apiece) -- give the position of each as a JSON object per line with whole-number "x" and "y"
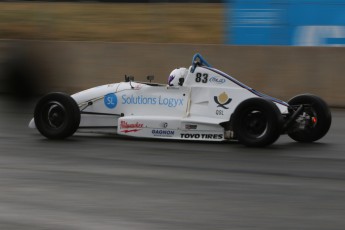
{"x": 198, "y": 136}
{"x": 110, "y": 100}
{"x": 190, "y": 126}
{"x": 222, "y": 100}
{"x": 163, "y": 133}
{"x": 159, "y": 101}
{"x": 219, "y": 112}
{"x": 130, "y": 127}
{"x": 216, "y": 80}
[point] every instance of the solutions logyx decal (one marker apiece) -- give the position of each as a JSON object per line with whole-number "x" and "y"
{"x": 161, "y": 101}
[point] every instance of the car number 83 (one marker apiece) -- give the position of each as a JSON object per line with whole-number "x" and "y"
{"x": 201, "y": 77}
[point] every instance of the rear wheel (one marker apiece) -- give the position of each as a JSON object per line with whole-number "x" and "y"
{"x": 315, "y": 120}
{"x": 257, "y": 122}
{"x": 57, "y": 116}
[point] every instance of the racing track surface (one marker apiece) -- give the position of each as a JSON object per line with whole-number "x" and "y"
{"x": 102, "y": 182}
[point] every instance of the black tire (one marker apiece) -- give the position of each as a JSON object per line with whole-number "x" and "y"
{"x": 57, "y": 116}
{"x": 319, "y": 109}
{"x": 257, "y": 122}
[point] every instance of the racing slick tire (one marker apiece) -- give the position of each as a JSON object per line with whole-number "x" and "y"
{"x": 257, "y": 122}
{"x": 320, "y": 114}
{"x": 57, "y": 116}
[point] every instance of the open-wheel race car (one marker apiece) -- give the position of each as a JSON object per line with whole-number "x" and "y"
{"x": 198, "y": 103}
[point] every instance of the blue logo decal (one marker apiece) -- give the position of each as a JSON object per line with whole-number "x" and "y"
{"x": 217, "y": 80}
{"x": 160, "y": 101}
{"x": 110, "y": 100}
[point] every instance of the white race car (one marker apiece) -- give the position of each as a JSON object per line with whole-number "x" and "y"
{"x": 199, "y": 103}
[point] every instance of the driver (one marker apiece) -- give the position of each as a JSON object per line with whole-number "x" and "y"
{"x": 177, "y": 76}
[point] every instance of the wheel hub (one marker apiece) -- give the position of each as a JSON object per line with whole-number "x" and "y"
{"x": 256, "y": 124}
{"x": 56, "y": 114}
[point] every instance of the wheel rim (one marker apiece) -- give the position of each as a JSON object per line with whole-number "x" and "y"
{"x": 255, "y": 123}
{"x": 54, "y": 114}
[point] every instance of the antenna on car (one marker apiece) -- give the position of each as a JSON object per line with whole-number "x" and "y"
{"x": 150, "y": 78}
{"x": 129, "y": 79}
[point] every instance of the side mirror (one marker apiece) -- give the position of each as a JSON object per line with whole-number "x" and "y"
{"x": 129, "y": 78}
{"x": 150, "y": 78}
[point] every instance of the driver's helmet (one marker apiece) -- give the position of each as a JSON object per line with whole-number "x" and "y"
{"x": 176, "y": 75}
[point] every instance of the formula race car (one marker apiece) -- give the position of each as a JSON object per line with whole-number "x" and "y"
{"x": 198, "y": 103}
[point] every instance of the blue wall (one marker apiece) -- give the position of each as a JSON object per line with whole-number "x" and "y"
{"x": 286, "y": 22}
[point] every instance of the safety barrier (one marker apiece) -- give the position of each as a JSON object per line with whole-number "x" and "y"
{"x": 278, "y": 71}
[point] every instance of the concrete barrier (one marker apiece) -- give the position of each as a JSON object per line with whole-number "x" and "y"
{"x": 278, "y": 71}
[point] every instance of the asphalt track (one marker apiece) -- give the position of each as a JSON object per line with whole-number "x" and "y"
{"x": 102, "y": 182}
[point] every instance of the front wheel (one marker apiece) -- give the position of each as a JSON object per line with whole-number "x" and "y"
{"x": 257, "y": 122}
{"x": 57, "y": 116}
{"x": 315, "y": 120}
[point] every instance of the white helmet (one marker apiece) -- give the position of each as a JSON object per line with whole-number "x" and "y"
{"x": 176, "y": 75}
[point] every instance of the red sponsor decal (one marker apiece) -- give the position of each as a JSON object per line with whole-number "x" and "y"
{"x": 130, "y": 127}
{"x": 125, "y": 125}
{"x": 130, "y": 130}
